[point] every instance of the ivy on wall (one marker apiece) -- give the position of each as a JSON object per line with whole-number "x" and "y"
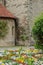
{"x": 23, "y": 35}
{"x": 3, "y": 29}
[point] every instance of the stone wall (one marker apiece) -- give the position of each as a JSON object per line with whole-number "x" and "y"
{"x": 19, "y": 9}
{"x": 26, "y": 11}
{"x": 9, "y": 40}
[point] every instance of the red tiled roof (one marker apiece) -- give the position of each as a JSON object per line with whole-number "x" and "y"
{"x": 5, "y": 13}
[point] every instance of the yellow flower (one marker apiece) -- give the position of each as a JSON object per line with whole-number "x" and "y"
{"x": 30, "y": 59}
{"x": 0, "y": 60}
{"x": 35, "y": 51}
{"x": 3, "y": 64}
{"x": 17, "y": 58}
{"x": 35, "y": 59}
{"x": 22, "y": 60}
{"x": 28, "y": 50}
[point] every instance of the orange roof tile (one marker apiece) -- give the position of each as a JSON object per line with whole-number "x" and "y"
{"x": 5, "y": 13}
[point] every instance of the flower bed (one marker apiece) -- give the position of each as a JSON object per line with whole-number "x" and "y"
{"x": 21, "y": 57}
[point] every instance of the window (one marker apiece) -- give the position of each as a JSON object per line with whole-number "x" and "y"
{"x": 12, "y": 30}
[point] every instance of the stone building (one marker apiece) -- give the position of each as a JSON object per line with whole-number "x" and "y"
{"x": 25, "y": 11}
{"x": 7, "y": 34}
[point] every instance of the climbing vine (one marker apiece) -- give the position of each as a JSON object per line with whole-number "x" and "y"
{"x": 3, "y": 28}
{"x": 23, "y": 35}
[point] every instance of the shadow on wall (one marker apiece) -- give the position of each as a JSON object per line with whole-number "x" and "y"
{"x": 17, "y": 31}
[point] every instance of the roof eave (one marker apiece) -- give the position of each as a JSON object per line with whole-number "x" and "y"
{"x": 8, "y": 17}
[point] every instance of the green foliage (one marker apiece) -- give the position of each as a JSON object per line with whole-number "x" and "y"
{"x": 29, "y": 61}
{"x": 23, "y": 34}
{"x": 3, "y": 29}
{"x": 37, "y": 31}
{"x": 23, "y": 37}
{"x": 38, "y": 46}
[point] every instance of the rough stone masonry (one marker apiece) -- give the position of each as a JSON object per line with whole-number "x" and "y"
{"x": 25, "y": 11}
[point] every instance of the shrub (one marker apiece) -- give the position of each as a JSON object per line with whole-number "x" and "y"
{"x": 37, "y": 31}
